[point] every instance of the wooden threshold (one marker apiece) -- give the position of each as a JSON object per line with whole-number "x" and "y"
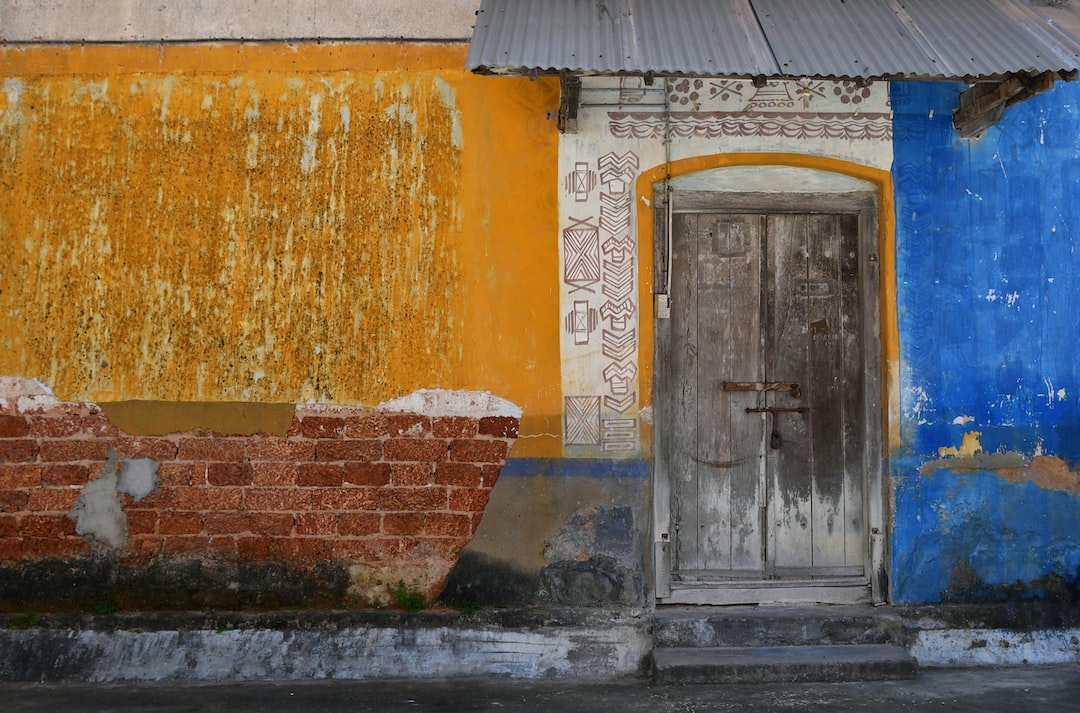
{"x": 789, "y": 591}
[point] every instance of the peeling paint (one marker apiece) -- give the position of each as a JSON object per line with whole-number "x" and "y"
{"x": 968, "y": 447}
{"x": 1046, "y": 472}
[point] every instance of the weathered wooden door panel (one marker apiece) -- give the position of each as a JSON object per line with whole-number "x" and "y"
{"x": 766, "y": 481}
{"x": 716, "y": 468}
{"x": 815, "y": 474}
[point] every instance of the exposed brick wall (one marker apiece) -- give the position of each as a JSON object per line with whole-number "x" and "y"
{"x": 390, "y": 495}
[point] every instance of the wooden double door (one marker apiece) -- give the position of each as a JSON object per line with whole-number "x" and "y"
{"x": 765, "y": 393}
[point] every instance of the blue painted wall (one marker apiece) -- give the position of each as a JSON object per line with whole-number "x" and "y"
{"x": 988, "y": 278}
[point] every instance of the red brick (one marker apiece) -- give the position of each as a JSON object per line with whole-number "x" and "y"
{"x": 478, "y": 451}
{"x": 14, "y": 427}
{"x": 407, "y": 424}
{"x": 316, "y": 523}
{"x": 12, "y": 501}
{"x": 278, "y": 499}
{"x": 205, "y": 498}
{"x": 356, "y": 450}
{"x": 180, "y": 523}
{"x": 46, "y": 526}
{"x": 185, "y": 545}
{"x": 72, "y": 424}
{"x": 229, "y": 474}
{"x": 293, "y": 549}
{"x": 11, "y": 549}
{"x": 223, "y": 546}
{"x": 174, "y": 474}
{"x": 51, "y": 547}
{"x": 23, "y": 450}
{"x": 226, "y": 523}
{"x": 499, "y": 426}
{"x": 403, "y": 523}
{"x": 144, "y": 546}
{"x": 272, "y": 473}
{"x": 160, "y": 449}
{"x": 275, "y": 524}
{"x": 448, "y": 524}
{"x": 71, "y": 449}
{"x": 454, "y": 427}
{"x": 323, "y": 475}
{"x": 9, "y": 525}
{"x": 359, "y": 524}
{"x": 64, "y": 474}
{"x": 428, "y": 548}
{"x": 344, "y": 499}
{"x": 52, "y": 499}
{"x": 322, "y": 427}
{"x": 415, "y": 449}
{"x": 468, "y": 499}
{"x": 466, "y": 475}
{"x": 374, "y": 474}
{"x": 142, "y": 522}
{"x": 253, "y": 548}
{"x": 412, "y": 474}
{"x": 269, "y": 448}
{"x": 224, "y": 450}
{"x": 371, "y": 424}
{"x": 430, "y": 498}
{"x": 20, "y": 475}
{"x": 491, "y": 475}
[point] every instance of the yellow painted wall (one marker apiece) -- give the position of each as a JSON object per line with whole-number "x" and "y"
{"x": 277, "y": 223}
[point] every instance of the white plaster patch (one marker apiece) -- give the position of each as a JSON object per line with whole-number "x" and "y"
{"x": 138, "y": 477}
{"x": 438, "y": 402}
{"x": 961, "y": 420}
{"x": 99, "y": 513}
{"x": 99, "y": 517}
{"x": 995, "y": 647}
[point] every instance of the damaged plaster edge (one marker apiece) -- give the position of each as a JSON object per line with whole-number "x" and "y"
{"x": 440, "y": 402}
{"x": 994, "y": 647}
{"x": 27, "y": 395}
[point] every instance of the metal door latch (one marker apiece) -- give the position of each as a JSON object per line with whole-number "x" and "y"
{"x": 791, "y": 387}
{"x": 775, "y": 441}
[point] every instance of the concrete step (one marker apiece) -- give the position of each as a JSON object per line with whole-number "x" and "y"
{"x": 787, "y": 664}
{"x": 776, "y": 626}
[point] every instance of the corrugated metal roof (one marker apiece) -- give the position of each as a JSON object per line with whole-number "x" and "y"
{"x": 928, "y": 39}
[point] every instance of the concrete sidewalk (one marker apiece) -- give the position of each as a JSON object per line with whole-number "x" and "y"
{"x": 1042, "y": 689}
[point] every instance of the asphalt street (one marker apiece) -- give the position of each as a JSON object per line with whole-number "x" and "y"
{"x": 1013, "y": 690}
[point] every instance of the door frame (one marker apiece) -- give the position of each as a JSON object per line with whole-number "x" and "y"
{"x": 867, "y": 206}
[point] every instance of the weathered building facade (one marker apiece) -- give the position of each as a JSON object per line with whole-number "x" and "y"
{"x": 321, "y": 311}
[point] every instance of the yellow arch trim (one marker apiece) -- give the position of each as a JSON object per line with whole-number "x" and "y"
{"x": 880, "y": 179}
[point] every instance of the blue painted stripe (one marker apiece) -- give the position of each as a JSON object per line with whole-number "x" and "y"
{"x": 575, "y": 468}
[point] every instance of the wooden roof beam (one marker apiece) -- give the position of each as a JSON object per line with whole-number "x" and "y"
{"x": 570, "y": 99}
{"x": 982, "y": 104}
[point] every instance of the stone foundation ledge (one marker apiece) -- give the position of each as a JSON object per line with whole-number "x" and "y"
{"x": 569, "y": 643}
{"x": 992, "y": 633}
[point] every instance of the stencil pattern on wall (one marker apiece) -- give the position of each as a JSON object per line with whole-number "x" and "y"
{"x": 628, "y": 127}
{"x": 807, "y": 109}
{"x": 600, "y": 259}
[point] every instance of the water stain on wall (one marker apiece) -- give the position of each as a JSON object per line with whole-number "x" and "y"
{"x": 258, "y": 236}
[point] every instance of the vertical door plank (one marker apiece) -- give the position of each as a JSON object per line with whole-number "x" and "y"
{"x": 826, "y": 391}
{"x": 855, "y": 419}
{"x": 790, "y": 465}
{"x": 682, "y": 393}
{"x": 729, "y": 349}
